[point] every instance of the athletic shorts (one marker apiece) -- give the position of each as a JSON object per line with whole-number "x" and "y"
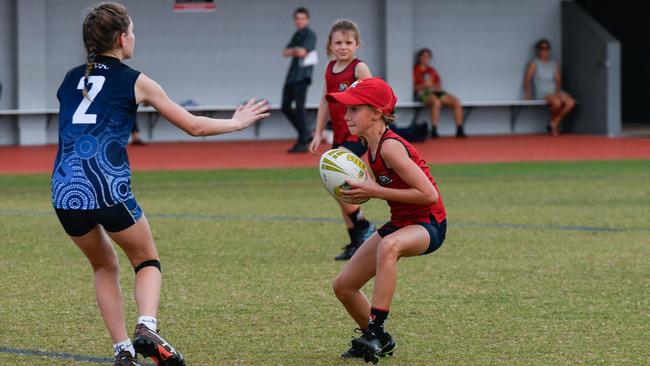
{"x": 357, "y": 147}
{"x": 424, "y": 95}
{"x": 115, "y": 218}
{"x": 436, "y": 232}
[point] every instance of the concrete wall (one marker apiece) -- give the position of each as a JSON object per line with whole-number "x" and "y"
{"x": 8, "y": 131}
{"x": 213, "y": 58}
{"x": 223, "y": 57}
{"x": 593, "y": 69}
{"x": 481, "y": 47}
{"x": 8, "y": 54}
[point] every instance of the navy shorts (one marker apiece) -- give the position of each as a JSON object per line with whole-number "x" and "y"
{"x": 115, "y": 218}
{"x": 357, "y": 147}
{"x": 437, "y": 232}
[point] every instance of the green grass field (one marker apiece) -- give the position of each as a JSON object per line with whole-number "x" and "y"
{"x": 544, "y": 264}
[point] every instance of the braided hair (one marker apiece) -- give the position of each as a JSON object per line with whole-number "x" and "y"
{"x": 102, "y": 28}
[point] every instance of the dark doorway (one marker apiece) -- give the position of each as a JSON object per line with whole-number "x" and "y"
{"x": 627, "y": 21}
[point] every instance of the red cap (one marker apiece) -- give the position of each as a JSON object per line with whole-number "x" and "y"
{"x": 373, "y": 91}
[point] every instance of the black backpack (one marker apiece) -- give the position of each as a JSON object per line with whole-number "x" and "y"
{"x": 415, "y": 132}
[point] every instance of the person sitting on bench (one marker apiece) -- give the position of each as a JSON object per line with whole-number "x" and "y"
{"x": 547, "y": 84}
{"x": 428, "y": 89}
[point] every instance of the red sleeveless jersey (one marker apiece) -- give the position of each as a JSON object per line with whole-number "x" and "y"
{"x": 338, "y": 82}
{"x": 404, "y": 214}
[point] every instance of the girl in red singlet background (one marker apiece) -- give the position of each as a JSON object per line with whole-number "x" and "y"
{"x": 341, "y": 72}
{"x": 428, "y": 89}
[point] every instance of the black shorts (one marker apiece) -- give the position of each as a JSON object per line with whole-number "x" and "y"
{"x": 425, "y": 94}
{"x": 357, "y": 147}
{"x": 437, "y": 232}
{"x": 113, "y": 219}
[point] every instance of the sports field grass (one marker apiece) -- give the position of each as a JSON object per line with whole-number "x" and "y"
{"x": 544, "y": 264}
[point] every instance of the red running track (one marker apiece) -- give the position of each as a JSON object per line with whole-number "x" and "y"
{"x": 272, "y": 154}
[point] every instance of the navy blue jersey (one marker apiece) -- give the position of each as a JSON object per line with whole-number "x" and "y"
{"x": 91, "y": 170}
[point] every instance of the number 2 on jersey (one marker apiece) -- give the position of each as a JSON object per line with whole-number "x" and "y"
{"x": 96, "y": 83}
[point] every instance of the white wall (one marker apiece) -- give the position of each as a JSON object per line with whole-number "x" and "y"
{"x": 213, "y": 58}
{"x": 7, "y": 54}
{"x": 8, "y": 132}
{"x": 481, "y": 47}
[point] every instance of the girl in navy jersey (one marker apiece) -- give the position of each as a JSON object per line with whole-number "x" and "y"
{"x": 341, "y": 72}
{"x": 418, "y": 220}
{"x": 91, "y": 190}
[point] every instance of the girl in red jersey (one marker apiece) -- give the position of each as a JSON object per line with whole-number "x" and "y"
{"x": 418, "y": 220}
{"x": 341, "y": 72}
{"x": 428, "y": 89}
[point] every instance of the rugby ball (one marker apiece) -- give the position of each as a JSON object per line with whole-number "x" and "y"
{"x": 337, "y": 165}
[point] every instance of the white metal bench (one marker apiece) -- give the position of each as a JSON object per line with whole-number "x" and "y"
{"x": 152, "y": 116}
{"x": 515, "y": 105}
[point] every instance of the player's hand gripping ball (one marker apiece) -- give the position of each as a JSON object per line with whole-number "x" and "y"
{"x": 335, "y": 167}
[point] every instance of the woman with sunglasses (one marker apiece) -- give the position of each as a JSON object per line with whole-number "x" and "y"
{"x": 546, "y": 84}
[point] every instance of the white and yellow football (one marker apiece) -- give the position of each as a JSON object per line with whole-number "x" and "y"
{"x": 336, "y": 166}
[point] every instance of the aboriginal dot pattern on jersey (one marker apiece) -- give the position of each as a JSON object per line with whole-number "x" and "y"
{"x": 91, "y": 170}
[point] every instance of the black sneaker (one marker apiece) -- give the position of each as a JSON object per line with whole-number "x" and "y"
{"x": 149, "y": 344}
{"x": 388, "y": 346}
{"x": 298, "y": 148}
{"x": 367, "y": 233}
{"x": 368, "y": 345}
{"x": 460, "y": 132}
{"x": 358, "y": 238}
{"x": 125, "y": 358}
{"x": 434, "y": 132}
{"x": 353, "y": 352}
{"x": 347, "y": 253}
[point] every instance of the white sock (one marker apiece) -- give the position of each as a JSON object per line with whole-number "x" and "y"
{"x": 149, "y": 321}
{"x": 124, "y": 345}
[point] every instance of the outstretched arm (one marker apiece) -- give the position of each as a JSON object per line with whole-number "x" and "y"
{"x": 148, "y": 91}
